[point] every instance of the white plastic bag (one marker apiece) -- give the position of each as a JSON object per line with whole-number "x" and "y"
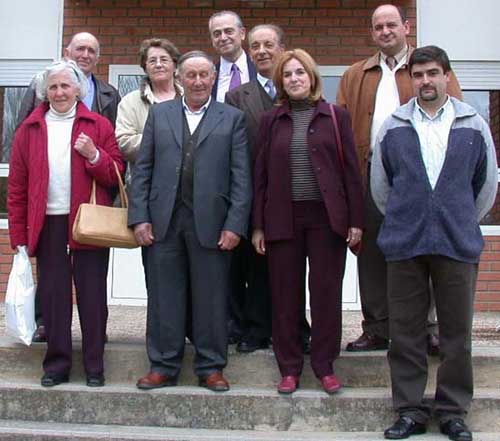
{"x": 20, "y": 299}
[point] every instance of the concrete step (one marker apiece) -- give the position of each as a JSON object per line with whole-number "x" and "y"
{"x": 126, "y": 362}
{"x": 34, "y": 431}
{"x": 351, "y": 410}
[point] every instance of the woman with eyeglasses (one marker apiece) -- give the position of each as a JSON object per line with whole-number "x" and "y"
{"x": 58, "y": 151}
{"x": 158, "y": 58}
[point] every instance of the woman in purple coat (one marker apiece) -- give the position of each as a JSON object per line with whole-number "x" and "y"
{"x": 307, "y": 207}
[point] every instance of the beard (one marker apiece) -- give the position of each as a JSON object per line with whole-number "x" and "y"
{"x": 425, "y": 95}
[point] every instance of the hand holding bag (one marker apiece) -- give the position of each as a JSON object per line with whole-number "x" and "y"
{"x": 20, "y": 299}
{"x": 104, "y": 226}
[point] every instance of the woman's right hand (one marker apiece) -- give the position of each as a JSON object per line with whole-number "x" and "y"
{"x": 258, "y": 241}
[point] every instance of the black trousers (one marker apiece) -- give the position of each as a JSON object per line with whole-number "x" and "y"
{"x": 175, "y": 264}
{"x": 454, "y": 285}
{"x": 372, "y": 270}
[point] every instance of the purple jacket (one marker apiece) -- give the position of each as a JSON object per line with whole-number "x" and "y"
{"x": 340, "y": 187}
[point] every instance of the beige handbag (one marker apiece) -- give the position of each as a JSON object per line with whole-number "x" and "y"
{"x": 104, "y": 226}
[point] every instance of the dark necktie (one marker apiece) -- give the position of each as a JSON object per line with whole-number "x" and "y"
{"x": 235, "y": 77}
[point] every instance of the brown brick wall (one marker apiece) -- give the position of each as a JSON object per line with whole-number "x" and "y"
{"x": 333, "y": 31}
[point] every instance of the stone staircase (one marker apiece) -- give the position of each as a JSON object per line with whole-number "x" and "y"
{"x": 251, "y": 411}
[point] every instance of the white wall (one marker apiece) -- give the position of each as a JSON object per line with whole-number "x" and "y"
{"x": 30, "y": 36}
{"x": 469, "y": 31}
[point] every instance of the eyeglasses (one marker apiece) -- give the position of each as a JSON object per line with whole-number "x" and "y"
{"x": 153, "y": 61}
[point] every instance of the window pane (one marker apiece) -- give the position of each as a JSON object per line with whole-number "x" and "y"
{"x": 487, "y": 104}
{"x": 128, "y": 83}
{"x": 10, "y": 103}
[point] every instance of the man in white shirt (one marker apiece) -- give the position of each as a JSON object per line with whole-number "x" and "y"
{"x": 235, "y": 66}
{"x": 371, "y": 90}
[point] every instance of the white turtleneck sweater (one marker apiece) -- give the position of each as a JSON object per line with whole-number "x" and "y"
{"x": 59, "y": 128}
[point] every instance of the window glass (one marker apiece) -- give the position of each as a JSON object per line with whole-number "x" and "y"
{"x": 10, "y": 103}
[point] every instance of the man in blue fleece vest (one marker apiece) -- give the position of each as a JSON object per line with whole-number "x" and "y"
{"x": 434, "y": 176}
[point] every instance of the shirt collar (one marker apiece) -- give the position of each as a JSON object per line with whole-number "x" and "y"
{"x": 401, "y": 55}
{"x": 421, "y": 115}
{"x": 241, "y": 62}
{"x": 197, "y": 112}
{"x": 262, "y": 80}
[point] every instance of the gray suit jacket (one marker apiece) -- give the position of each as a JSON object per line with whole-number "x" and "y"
{"x": 253, "y": 101}
{"x": 222, "y": 188}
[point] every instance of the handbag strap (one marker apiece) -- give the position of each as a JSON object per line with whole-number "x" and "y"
{"x": 340, "y": 148}
{"x": 121, "y": 188}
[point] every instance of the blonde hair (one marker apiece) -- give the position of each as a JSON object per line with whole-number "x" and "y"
{"x": 310, "y": 66}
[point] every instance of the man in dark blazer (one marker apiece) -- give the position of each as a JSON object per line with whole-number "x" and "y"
{"x": 235, "y": 67}
{"x": 190, "y": 202}
{"x": 84, "y": 50}
{"x": 249, "y": 297}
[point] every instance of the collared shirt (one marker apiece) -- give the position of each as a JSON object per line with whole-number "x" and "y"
{"x": 433, "y": 134}
{"x": 225, "y": 74}
{"x": 89, "y": 98}
{"x": 387, "y": 97}
{"x": 263, "y": 81}
{"x": 194, "y": 117}
{"x": 401, "y": 58}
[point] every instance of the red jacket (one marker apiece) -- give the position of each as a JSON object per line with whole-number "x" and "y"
{"x": 29, "y": 173}
{"x": 343, "y": 197}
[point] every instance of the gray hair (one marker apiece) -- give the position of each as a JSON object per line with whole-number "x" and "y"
{"x": 218, "y": 14}
{"x": 194, "y": 54}
{"x": 275, "y": 28}
{"x": 78, "y": 78}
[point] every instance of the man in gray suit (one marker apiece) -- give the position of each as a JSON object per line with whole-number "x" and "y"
{"x": 190, "y": 202}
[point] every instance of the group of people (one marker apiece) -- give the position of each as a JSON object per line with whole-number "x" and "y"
{"x": 239, "y": 173}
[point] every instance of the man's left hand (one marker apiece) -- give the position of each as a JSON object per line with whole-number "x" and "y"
{"x": 354, "y": 236}
{"x": 228, "y": 240}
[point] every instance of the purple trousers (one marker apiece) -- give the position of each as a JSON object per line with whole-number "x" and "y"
{"x": 326, "y": 252}
{"x": 57, "y": 269}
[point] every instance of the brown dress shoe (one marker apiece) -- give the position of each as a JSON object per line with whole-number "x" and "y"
{"x": 154, "y": 380}
{"x": 432, "y": 345}
{"x": 368, "y": 342}
{"x": 215, "y": 382}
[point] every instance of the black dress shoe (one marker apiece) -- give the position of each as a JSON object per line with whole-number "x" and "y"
{"x": 368, "y": 342}
{"x": 40, "y": 335}
{"x": 433, "y": 345}
{"x": 50, "y": 380}
{"x": 403, "y": 428}
{"x": 252, "y": 344}
{"x": 456, "y": 430}
{"x": 95, "y": 380}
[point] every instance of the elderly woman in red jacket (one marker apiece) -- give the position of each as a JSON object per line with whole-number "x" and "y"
{"x": 307, "y": 206}
{"x": 57, "y": 152}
